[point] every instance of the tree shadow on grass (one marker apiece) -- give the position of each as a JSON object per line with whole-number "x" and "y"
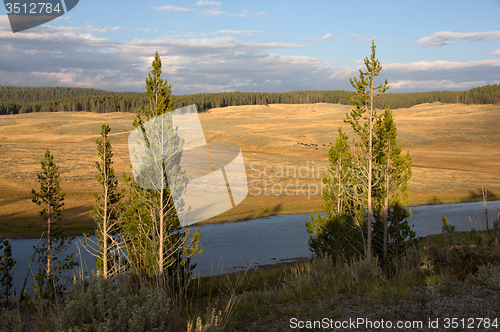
{"x": 477, "y": 195}
{"x": 435, "y": 201}
{"x": 273, "y": 210}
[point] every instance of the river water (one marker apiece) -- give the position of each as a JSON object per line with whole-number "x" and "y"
{"x": 234, "y": 246}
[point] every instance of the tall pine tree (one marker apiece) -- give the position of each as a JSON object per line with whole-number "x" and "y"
{"x": 49, "y": 280}
{"x": 156, "y": 244}
{"x": 391, "y": 191}
{"x": 370, "y": 197}
{"x": 363, "y": 119}
{"x": 339, "y": 230}
{"x": 107, "y": 209}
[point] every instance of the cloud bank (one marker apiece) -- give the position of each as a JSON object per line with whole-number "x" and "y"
{"x": 49, "y": 56}
{"x": 443, "y": 38}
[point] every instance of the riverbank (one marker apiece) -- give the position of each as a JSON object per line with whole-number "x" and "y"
{"x": 253, "y": 207}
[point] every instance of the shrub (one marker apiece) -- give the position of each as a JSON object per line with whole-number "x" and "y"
{"x": 363, "y": 269}
{"x": 487, "y": 275}
{"x": 11, "y": 319}
{"x": 104, "y": 306}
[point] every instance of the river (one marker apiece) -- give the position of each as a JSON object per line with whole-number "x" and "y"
{"x": 234, "y": 246}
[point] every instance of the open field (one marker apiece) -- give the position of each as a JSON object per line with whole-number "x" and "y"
{"x": 454, "y": 149}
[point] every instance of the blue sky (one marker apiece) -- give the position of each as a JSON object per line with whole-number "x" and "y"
{"x": 213, "y": 46}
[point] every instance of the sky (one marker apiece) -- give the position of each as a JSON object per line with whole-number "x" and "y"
{"x": 264, "y": 46}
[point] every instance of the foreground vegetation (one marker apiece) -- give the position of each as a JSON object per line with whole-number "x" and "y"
{"x": 260, "y": 300}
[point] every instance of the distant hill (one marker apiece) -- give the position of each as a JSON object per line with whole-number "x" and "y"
{"x": 15, "y": 100}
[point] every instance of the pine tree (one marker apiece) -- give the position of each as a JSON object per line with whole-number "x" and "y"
{"x": 392, "y": 191}
{"x": 6, "y": 265}
{"x": 51, "y": 199}
{"x": 156, "y": 245}
{"x": 340, "y": 231}
{"x": 107, "y": 209}
{"x": 363, "y": 119}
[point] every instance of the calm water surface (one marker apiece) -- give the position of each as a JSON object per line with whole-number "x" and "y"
{"x": 234, "y": 246}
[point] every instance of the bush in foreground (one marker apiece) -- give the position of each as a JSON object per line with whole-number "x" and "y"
{"x": 105, "y": 306}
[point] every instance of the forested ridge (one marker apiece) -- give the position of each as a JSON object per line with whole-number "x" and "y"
{"x": 16, "y": 100}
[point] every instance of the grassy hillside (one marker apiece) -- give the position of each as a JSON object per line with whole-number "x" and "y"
{"x": 454, "y": 149}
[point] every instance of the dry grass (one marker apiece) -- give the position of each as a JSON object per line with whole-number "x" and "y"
{"x": 453, "y": 146}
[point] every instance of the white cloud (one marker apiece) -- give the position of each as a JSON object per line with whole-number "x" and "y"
{"x": 217, "y": 12}
{"x": 244, "y": 13}
{"x": 328, "y": 36}
{"x": 275, "y": 82}
{"x": 438, "y": 65}
{"x": 497, "y": 52}
{"x": 214, "y": 12}
{"x": 208, "y": 3}
{"x": 442, "y": 38}
{"x": 363, "y": 38}
{"x": 64, "y": 17}
{"x": 101, "y": 30}
{"x": 170, "y": 8}
{"x": 239, "y": 32}
{"x": 435, "y": 84}
{"x": 63, "y": 56}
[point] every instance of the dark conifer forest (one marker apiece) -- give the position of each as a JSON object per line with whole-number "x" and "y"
{"x": 18, "y": 100}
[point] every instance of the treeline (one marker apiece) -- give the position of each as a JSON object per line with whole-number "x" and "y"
{"x": 23, "y": 94}
{"x": 488, "y": 94}
{"x": 96, "y": 104}
{"x": 18, "y": 100}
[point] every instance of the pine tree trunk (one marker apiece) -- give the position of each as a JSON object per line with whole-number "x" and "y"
{"x": 339, "y": 207}
{"x": 370, "y": 157}
{"x": 485, "y": 200}
{"x": 105, "y": 214}
{"x": 160, "y": 253}
{"x": 105, "y": 234}
{"x": 49, "y": 254}
{"x": 386, "y": 214}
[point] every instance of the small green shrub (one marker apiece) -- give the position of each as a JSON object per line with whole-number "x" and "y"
{"x": 487, "y": 275}
{"x": 463, "y": 255}
{"x": 362, "y": 269}
{"x": 414, "y": 264}
{"x": 322, "y": 270}
{"x": 11, "y": 319}
{"x": 449, "y": 231}
{"x": 104, "y": 306}
{"x": 474, "y": 237}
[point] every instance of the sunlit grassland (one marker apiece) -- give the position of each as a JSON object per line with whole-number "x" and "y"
{"x": 454, "y": 149}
